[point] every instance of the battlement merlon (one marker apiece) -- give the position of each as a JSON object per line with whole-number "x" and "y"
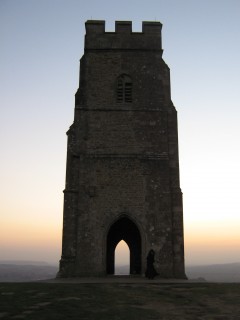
{"x": 123, "y": 38}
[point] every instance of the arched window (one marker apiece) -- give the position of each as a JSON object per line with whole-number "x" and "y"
{"x": 124, "y": 89}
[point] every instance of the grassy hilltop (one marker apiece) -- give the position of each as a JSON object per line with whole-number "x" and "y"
{"x": 129, "y": 301}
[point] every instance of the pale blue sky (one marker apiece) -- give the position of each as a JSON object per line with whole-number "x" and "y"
{"x": 41, "y": 44}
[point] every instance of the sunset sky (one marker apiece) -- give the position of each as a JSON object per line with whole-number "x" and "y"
{"x": 41, "y": 44}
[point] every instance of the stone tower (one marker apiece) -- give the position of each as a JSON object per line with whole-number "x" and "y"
{"x": 122, "y": 178}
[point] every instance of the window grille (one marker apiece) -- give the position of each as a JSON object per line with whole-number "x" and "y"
{"x": 124, "y": 89}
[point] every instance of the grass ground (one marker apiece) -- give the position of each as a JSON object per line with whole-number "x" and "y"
{"x": 116, "y": 301}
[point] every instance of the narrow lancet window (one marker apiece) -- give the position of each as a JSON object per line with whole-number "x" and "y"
{"x": 124, "y": 89}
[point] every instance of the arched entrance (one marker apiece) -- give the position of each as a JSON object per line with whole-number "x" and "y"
{"x": 124, "y": 229}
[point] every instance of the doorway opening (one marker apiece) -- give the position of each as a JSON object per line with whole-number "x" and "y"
{"x": 122, "y": 259}
{"x": 124, "y": 229}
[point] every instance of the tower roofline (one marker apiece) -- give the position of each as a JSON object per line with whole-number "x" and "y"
{"x": 98, "y": 26}
{"x": 123, "y": 38}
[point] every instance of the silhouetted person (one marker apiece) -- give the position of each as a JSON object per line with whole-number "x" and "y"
{"x": 150, "y": 272}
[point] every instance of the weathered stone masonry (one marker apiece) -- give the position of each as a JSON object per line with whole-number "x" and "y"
{"x": 122, "y": 179}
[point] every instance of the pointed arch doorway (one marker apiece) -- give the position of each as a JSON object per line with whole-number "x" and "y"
{"x": 124, "y": 229}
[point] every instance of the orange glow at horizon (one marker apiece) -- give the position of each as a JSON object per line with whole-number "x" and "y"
{"x": 216, "y": 242}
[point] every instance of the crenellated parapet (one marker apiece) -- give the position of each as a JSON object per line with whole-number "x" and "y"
{"x": 123, "y": 37}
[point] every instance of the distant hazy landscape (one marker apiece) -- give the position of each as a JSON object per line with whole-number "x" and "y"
{"x": 21, "y": 271}
{"x": 218, "y": 272}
